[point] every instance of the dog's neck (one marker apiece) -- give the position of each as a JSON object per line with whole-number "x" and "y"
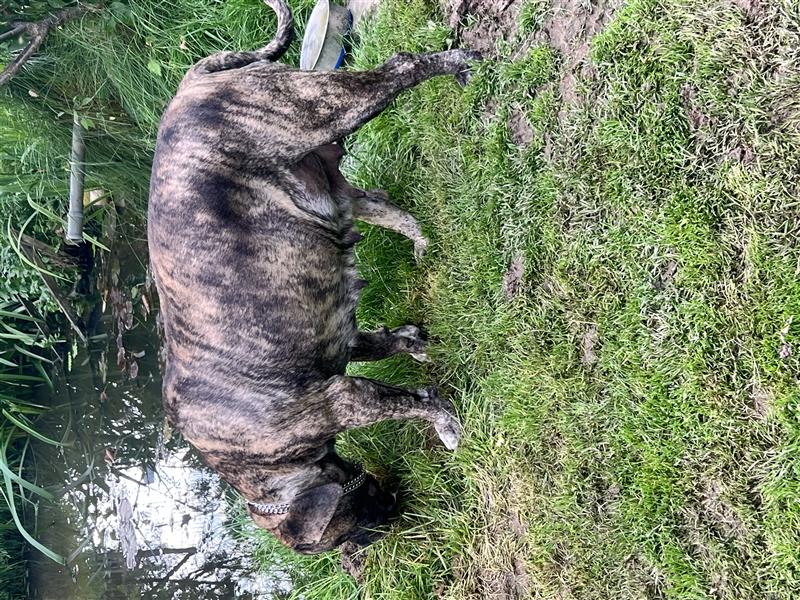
{"x": 272, "y": 487}
{"x": 277, "y": 484}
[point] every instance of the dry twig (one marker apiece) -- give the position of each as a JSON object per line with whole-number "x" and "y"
{"x": 36, "y": 32}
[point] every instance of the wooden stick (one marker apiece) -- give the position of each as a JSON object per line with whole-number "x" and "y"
{"x": 52, "y": 286}
{"x": 57, "y": 258}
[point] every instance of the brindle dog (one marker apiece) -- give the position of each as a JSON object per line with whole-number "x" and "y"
{"x": 250, "y": 228}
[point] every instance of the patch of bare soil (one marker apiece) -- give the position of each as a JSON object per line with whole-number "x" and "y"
{"x": 720, "y": 515}
{"x": 647, "y": 577}
{"x": 743, "y": 153}
{"x": 519, "y": 128}
{"x": 589, "y": 345}
{"x": 761, "y": 400}
{"x": 501, "y": 572}
{"x": 512, "y": 279}
{"x": 353, "y": 558}
{"x": 568, "y": 28}
{"x": 705, "y": 131}
{"x": 703, "y": 549}
{"x": 749, "y": 7}
{"x": 610, "y": 501}
{"x": 711, "y": 523}
{"x": 511, "y": 585}
{"x": 480, "y": 23}
{"x": 516, "y": 524}
{"x": 696, "y": 117}
{"x": 666, "y": 275}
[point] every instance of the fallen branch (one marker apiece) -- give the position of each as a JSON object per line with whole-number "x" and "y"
{"x": 52, "y": 286}
{"x": 37, "y": 32}
{"x": 58, "y": 259}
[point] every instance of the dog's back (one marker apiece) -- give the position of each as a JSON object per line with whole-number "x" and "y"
{"x": 253, "y": 268}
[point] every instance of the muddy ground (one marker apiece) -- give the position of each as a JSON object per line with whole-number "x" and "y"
{"x": 568, "y": 27}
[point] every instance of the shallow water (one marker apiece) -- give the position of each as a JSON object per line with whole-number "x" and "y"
{"x": 137, "y": 515}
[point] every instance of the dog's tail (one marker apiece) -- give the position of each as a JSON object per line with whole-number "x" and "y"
{"x": 272, "y": 51}
{"x": 285, "y": 34}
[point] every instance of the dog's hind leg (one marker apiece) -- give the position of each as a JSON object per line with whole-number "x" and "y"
{"x": 376, "y": 208}
{"x": 377, "y": 345}
{"x": 356, "y": 402}
{"x": 284, "y": 113}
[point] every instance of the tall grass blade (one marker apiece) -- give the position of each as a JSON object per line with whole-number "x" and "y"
{"x": 16, "y": 245}
{"x": 32, "y": 355}
{"x": 20, "y": 402}
{"x": 44, "y": 375}
{"x": 18, "y": 479}
{"x": 8, "y": 494}
{"x": 12, "y": 377}
{"x": 15, "y": 315}
{"x": 25, "y": 338}
{"x": 8, "y": 363}
{"x": 30, "y": 430}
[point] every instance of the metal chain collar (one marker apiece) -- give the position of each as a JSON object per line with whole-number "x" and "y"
{"x": 280, "y": 509}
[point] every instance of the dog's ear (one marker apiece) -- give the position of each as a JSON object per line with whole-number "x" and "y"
{"x": 311, "y": 513}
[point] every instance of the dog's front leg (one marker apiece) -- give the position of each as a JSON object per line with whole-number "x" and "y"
{"x": 377, "y": 345}
{"x": 375, "y": 208}
{"x": 356, "y": 402}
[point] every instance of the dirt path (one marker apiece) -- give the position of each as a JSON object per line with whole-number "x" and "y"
{"x": 568, "y": 27}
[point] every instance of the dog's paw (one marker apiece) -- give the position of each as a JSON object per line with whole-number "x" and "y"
{"x": 420, "y": 357}
{"x": 413, "y": 341}
{"x": 449, "y": 430}
{"x": 412, "y": 333}
{"x": 444, "y": 419}
{"x": 467, "y": 57}
{"x": 420, "y": 247}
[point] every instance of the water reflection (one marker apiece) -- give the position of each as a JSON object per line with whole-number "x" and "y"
{"x": 137, "y": 514}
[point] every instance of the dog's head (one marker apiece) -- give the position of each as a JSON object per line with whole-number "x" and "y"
{"x": 325, "y": 516}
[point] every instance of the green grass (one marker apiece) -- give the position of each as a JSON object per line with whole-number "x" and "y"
{"x": 657, "y": 221}
{"x": 666, "y": 466}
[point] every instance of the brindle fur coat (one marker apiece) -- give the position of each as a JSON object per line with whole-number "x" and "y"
{"x": 250, "y": 228}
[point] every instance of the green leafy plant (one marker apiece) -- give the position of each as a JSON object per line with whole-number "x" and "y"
{"x": 24, "y": 346}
